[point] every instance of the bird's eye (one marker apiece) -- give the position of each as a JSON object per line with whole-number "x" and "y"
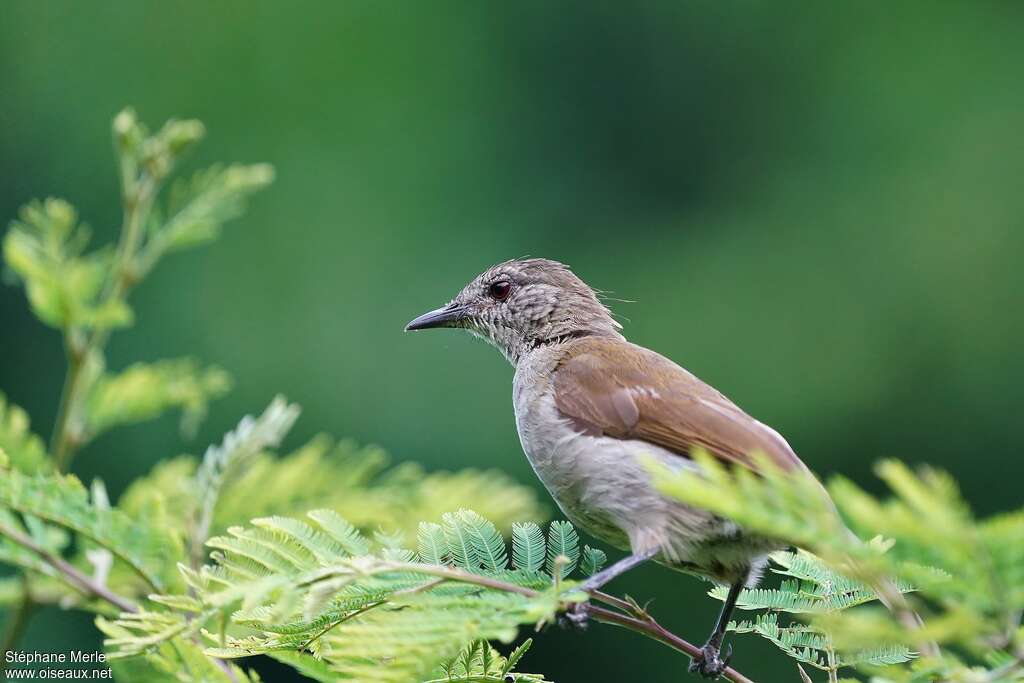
{"x": 499, "y": 290}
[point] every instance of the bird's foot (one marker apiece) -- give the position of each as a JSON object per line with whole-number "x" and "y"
{"x": 708, "y": 663}
{"x": 576, "y": 617}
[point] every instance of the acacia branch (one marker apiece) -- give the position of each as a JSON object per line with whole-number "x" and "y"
{"x": 67, "y": 437}
{"x": 646, "y": 625}
{"x": 84, "y": 582}
{"x": 73, "y": 574}
{"x": 634, "y": 619}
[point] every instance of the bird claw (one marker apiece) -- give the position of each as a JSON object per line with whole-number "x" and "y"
{"x": 709, "y": 664}
{"x": 576, "y": 617}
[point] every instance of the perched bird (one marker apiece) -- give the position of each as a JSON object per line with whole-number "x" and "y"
{"x": 589, "y": 404}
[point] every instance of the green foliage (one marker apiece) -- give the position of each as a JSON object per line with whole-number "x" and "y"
{"x": 16, "y": 555}
{"x": 475, "y": 541}
{"x": 61, "y": 500}
{"x": 355, "y": 482}
{"x": 45, "y": 248}
{"x": 146, "y": 390}
{"x": 966, "y": 574}
{"x": 294, "y": 589}
{"x": 84, "y": 293}
{"x": 563, "y": 549}
{"x": 529, "y": 550}
{"x": 179, "y": 662}
{"x": 197, "y": 208}
{"x": 480, "y": 663}
{"x": 75, "y": 549}
{"x": 592, "y": 560}
{"x": 812, "y": 588}
{"x": 24, "y": 450}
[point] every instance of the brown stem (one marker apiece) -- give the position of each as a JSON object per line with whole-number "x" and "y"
{"x": 641, "y": 622}
{"x": 652, "y": 629}
{"x": 75, "y": 576}
{"x": 615, "y": 602}
{"x": 461, "y": 575}
{"x": 64, "y": 443}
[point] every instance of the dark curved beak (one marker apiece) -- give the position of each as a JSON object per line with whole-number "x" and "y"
{"x": 442, "y": 317}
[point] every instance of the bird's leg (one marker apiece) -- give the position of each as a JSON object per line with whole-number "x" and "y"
{"x": 578, "y": 614}
{"x": 621, "y": 567}
{"x": 708, "y": 663}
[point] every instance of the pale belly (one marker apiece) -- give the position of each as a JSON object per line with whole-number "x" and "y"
{"x": 602, "y": 486}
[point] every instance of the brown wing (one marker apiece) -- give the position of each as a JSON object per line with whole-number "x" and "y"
{"x": 611, "y": 387}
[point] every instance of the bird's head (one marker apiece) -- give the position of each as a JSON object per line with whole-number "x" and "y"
{"x": 523, "y": 304}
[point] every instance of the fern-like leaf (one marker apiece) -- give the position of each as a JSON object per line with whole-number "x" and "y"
{"x": 63, "y": 501}
{"x": 293, "y": 590}
{"x": 145, "y": 390}
{"x": 220, "y": 463}
{"x": 462, "y": 550}
{"x": 592, "y": 560}
{"x": 529, "y": 549}
{"x": 431, "y": 544}
{"x": 488, "y": 543}
{"x": 199, "y": 206}
{"x": 479, "y": 662}
{"x": 562, "y": 542}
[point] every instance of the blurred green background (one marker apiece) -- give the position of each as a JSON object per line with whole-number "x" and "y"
{"x": 817, "y": 207}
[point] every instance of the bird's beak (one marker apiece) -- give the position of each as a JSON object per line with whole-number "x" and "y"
{"x": 446, "y": 316}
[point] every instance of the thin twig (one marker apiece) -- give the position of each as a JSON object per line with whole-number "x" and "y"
{"x": 366, "y": 608}
{"x": 640, "y": 622}
{"x": 461, "y": 575}
{"x": 652, "y": 629}
{"x": 342, "y": 620}
{"x": 618, "y": 603}
{"x": 61, "y": 445}
{"x": 64, "y": 441}
{"x": 83, "y": 581}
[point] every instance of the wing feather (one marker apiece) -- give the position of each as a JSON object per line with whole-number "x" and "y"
{"x": 611, "y": 387}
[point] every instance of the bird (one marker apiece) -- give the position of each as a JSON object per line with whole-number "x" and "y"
{"x": 590, "y": 407}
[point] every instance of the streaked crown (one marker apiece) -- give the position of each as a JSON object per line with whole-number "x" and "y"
{"x": 523, "y": 304}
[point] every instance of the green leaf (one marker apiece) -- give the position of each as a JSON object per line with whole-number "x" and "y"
{"x": 44, "y": 248}
{"x": 431, "y": 546}
{"x": 223, "y": 462}
{"x": 488, "y": 543}
{"x": 62, "y": 500}
{"x": 529, "y": 549}
{"x": 357, "y": 483}
{"x": 351, "y": 482}
{"x": 197, "y": 208}
{"x": 480, "y": 662}
{"x": 25, "y": 451}
{"x": 290, "y": 587}
{"x": 462, "y": 550}
{"x": 145, "y": 390}
{"x": 592, "y": 561}
{"x": 178, "y": 661}
{"x": 343, "y": 533}
{"x": 879, "y": 656}
{"x": 562, "y": 542}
